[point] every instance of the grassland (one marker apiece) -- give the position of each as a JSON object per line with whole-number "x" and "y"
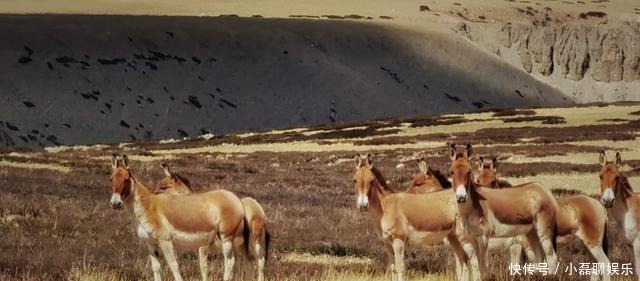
{"x": 55, "y": 222}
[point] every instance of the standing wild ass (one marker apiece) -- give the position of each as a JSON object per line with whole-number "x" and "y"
{"x": 428, "y": 180}
{"x": 618, "y": 196}
{"x": 402, "y": 218}
{"x": 167, "y": 222}
{"x": 259, "y": 237}
{"x": 578, "y": 215}
{"x": 527, "y": 209}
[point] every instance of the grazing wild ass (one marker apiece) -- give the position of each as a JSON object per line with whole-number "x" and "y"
{"x": 402, "y": 218}
{"x": 167, "y": 222}
{"x": 428, "y": 180}
{"x": 528, "y": 209}
{"x": 259, "y": 237}
{"x": 624, "y": 205}
{"x": 578, "y": 215}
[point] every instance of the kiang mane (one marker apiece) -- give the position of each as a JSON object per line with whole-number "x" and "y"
{"x": 186, "y": 181}
{"x": 381, "y": 179}
{"x": 624, "y": 182}
{"x": 444, "y": 181}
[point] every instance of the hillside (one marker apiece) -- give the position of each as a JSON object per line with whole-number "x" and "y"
{"x": 105, "y": 79}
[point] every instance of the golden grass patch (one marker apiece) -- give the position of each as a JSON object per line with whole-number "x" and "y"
{"x": 574, "y": 116}
{"x": 62, "y": 148}
{"x": 296, "y": 146}
{"x": 324, "y": 259}
{"x": 45, "y": 166}
{"x": 141, "y": 158}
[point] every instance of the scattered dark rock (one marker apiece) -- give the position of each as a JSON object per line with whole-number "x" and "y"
{"x": 393, "y": 75}
{"x": 196, "y": 60}
{"x": 227, "y": 102}
{"x": 194, "y": 101}
{"x": 53, "y": 139}
{"x": 453, "y": 98}
{"x": 151, "y": 65}
{"x": 182, "y": 133}
{"x": 112, "y": 61}
{"x": 424, "y": 8}
{"x": 11, "y": 126}
{"x": 478, "y": 105}
{"x": 124, "y": 124}
{"x": 24, "y": 60}
{"x": 592, "y": 14}
{"x": 170, "y": 34}
{"x": 29, "y": 50}
{"x": 29, "y": 104}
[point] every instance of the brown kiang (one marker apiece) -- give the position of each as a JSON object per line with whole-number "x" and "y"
{"x": 428, "y": 180}
{"x": 528, "y": 209}
{"x": 578, "y": 215}
{"x": 166, "y": 222}
{"x": 259, "y": 237}
{"x": 401, "y": 218}
{"x": 623, "y": 204}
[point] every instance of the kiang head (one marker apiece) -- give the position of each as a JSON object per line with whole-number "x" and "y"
{"x": 460, "y": 171}
{"x": 122, "y": 181}
{"x": 488, "y": 170}
{"x": 172, "y": 183}
{"x": 363, "y": 180}
{"x": 610, "y": 180}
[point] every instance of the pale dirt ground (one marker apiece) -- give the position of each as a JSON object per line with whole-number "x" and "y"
{"x": 495, "y": 10}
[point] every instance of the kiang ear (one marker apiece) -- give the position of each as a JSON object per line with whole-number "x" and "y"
{"x": 494, "y": 164}
{"x": 468, "y": 151}
{"x": 422, "y": 165}
{"x": 477, "y": 163}
{"x": 370, "y": 160}
{"x": 125, "y": 161}
{"x": 618, "y": 159}
{"x": 452, "y": 152}
{"x": 358, "y": 159}
{"x": 114, "y": 161}
{"x": 167, "y": 171}
{"x": 603, "y": 158}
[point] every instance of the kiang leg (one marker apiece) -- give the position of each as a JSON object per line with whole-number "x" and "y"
{"x": 229, "y": 257}
{"x": 471, "y": 249}
{"x": 170, "y": 256}
{"x": 204, "y": 263}
{"x": 154, "y": 257}
{"x": 462, "y": 262}
{"x": 398, "y": 251}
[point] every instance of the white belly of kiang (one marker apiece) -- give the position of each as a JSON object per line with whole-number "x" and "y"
{"x": 498, "y": 229}
{"x": 191, "y": 241}
{"x": 427, "y": 237}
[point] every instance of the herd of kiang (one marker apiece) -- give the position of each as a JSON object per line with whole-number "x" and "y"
{"x": 472, "y": 211}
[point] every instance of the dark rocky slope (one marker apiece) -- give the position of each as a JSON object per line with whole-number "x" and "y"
{"x": 103, "y": 79}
